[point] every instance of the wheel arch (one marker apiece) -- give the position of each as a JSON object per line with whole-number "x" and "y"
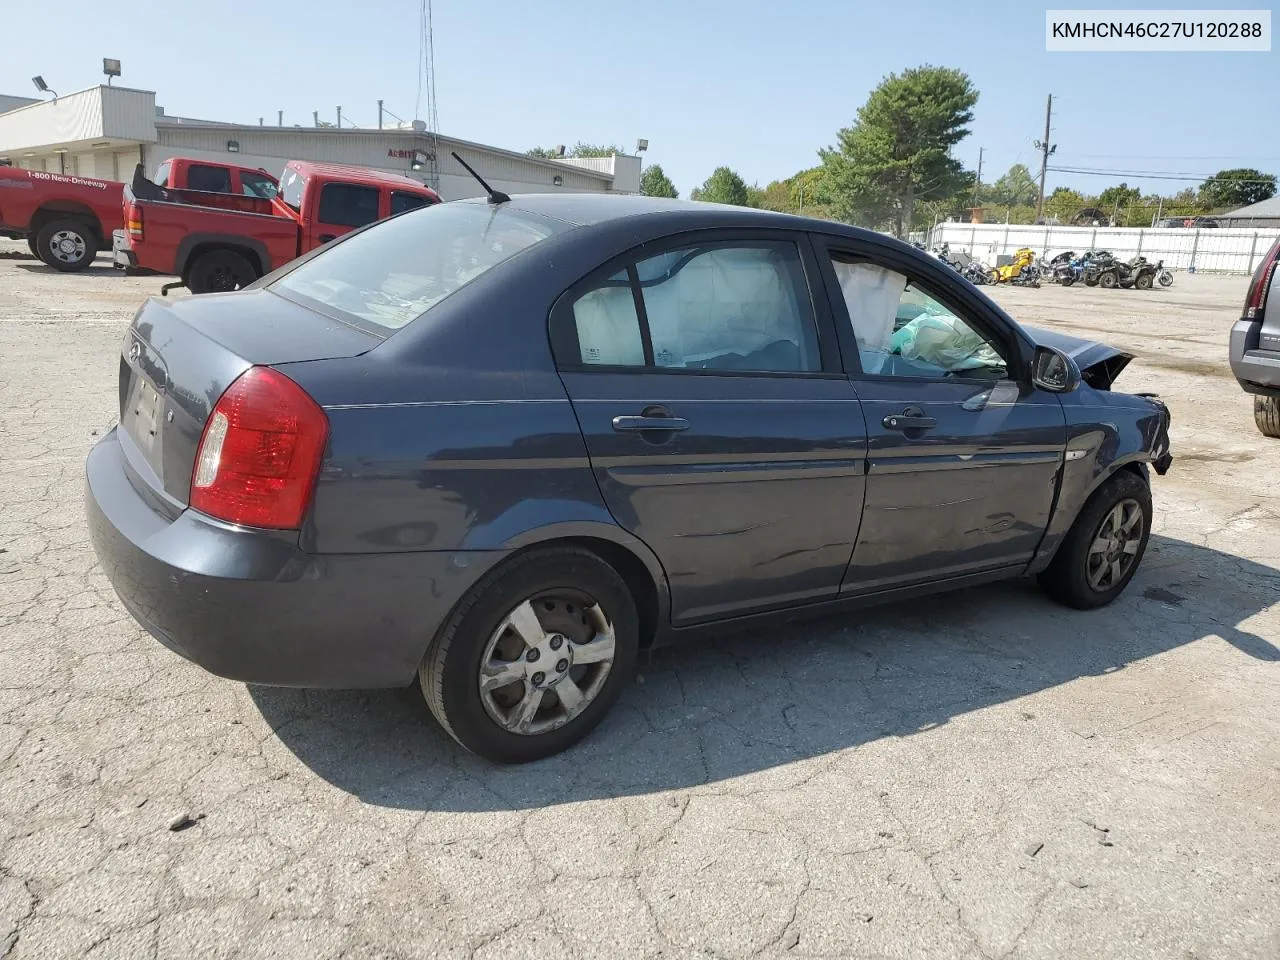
{"x": 639, "y": 568}
{"x": 68, "y": 210}
{"x": 195, "y": 245}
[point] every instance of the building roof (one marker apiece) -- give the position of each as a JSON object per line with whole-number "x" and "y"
{"x": 1267, "y": 209}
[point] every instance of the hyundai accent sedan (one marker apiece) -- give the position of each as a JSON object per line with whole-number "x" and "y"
{"x": 498, "y": 447}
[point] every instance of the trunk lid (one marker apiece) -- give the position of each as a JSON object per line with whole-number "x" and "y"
{"x": 179, "y": 356}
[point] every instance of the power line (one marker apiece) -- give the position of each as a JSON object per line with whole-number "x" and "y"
{"x": 1156, "y": 175}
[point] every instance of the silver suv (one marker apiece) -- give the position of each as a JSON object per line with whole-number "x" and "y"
{"x": 1255, "y": 344}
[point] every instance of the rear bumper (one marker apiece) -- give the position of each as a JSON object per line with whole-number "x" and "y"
{"x": 122, "y": 256}
{"x": 1256, "y": 370}
{"x": 250, "y": 606}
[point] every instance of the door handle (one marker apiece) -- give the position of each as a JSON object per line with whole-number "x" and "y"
{"x": 640, "y": 424}
{"x": 904, "y": 422}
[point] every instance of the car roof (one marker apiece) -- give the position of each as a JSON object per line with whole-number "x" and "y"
{"x": 589, "y": 209}
{"x": 310, "y": 168}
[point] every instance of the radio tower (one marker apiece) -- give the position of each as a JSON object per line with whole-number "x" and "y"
{"x": 427, "y": 83}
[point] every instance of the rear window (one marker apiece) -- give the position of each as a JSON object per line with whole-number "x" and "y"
{"x": 347, "y": 205}
{"x": 292, "y": 184}
{"x": 391, "y": 274}
{"x": 209, "y": 179}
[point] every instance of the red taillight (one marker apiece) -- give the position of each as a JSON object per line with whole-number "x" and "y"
{"x": 133, "y": 221}
{"x": 260, "y": 452}
{"x": 1257, "y": 296}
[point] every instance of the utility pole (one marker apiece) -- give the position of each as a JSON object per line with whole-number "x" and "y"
{"x": 1045, "y": 150}
{"x": 977, "y": 184}
{"x": 379, "y": 114}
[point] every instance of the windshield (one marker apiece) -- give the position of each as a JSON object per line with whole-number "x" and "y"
{"x": 391, "y": 274}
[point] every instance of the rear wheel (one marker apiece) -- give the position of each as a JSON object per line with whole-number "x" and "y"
{"x": 534, "y": 657}
{"x": 1266, "y": 414}
{"x": 66, "y": 245}
{"x": 1067, "y": 280}
{"x": 220, "y": 271}
{"x": 1105, "y": 545}
{"x": 1143, "y": 282}
{"x": 1108, "y": 280}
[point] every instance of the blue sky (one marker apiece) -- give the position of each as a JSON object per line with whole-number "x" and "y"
{"x": 757, "y": 86}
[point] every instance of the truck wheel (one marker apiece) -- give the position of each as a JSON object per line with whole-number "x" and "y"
{"x": 1266, "y": 414}
{"x": 1102, "y": 550}
{"x": 66, "y": 245}
{"x": 34, "y": 247}
{"x": 220, "y": 271}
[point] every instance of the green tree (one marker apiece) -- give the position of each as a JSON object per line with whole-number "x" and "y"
{"x": 1115, "y": 200}
{"x": 1015, "y": 188}
{"x": 1237, "y": 188}
{"x": 654, "y": 183}
{"x": 578, "y": 151}
{"x": 897, "y": 152}
{"x": 723, "y": 186}
{"x": 1064, "y": 204}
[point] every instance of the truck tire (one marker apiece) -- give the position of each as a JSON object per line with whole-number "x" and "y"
{"x": 220, "y": 271}
{"x": 1266, "y": 414}
{"x": 66, "y": 245}
{"x": 33, "y": 247}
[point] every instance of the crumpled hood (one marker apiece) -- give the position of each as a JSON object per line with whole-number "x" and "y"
{"x": 1099, "y": 364}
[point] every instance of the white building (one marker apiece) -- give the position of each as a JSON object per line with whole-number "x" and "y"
{"x": 104, "y": 132}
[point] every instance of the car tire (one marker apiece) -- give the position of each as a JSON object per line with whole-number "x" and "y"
{"x": 1266, "y": 414}
{"x": 220, "y": 271}
{"x": 576, "y": 599}
{"x": 66, "y": 245}
{"x": 1084, "y": 575}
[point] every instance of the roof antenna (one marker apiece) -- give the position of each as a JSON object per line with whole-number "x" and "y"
{"x": 495, "y": 196}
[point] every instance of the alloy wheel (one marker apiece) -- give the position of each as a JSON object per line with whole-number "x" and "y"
{"x": 67, "y": 246}
{"x": 1115, "y": 546}
{"x": 546, "y": 662}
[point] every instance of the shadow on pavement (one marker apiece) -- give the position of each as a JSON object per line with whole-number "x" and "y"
{"x": 753, "y": 701}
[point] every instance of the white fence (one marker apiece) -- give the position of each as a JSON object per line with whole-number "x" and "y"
{"x": 1213, "y": 250}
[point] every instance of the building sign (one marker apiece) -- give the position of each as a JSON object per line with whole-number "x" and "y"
{"x": 409, "y": 155}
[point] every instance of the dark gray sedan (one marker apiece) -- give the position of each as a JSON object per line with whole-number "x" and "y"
{"x": 501, "y": 447}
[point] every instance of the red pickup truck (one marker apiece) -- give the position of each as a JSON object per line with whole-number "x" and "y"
{"x": 67, "y": 220}
{"x": 214, "y": 248}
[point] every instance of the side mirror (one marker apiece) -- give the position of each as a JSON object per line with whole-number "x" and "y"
{"x": 1054, "y": 371}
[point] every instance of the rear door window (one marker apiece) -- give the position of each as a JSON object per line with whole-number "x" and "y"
{"x": 209, "y": 179}
{"x": 254, "y": 184}
{"x": 401, "y": 201}
{"x": 348, "y": 205}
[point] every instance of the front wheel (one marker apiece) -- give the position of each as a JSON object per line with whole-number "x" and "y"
{"x": 1108, "y": 280}
{"x": 534, "y": 656}
{"x": 1143, "y": 282}
{"x": 1102, "y": 550}
{"x": 66, "y": 245}
{"x": 1166, "y": 278}
{"x": 1266, "y": 414}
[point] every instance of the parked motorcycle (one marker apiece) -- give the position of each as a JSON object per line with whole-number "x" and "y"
{"x": 1164, "y": 276}
{"x": 1049, "y": 268}
{"x": 1021, "y": 270}
{"x": 1074, "y": 270}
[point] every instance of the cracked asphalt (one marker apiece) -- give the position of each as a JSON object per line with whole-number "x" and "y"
{"x": 981, "y": 775}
